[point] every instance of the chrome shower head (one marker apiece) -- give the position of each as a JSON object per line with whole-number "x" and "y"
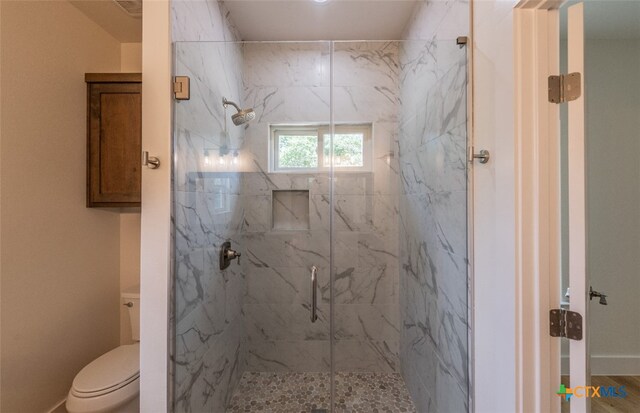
{"x": 243, "y": 116}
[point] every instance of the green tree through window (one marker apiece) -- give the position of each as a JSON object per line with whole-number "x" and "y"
{"x": 298, "y": 151}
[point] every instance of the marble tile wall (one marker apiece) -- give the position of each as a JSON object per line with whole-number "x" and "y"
{"x": 433, "y": 212}
{"x": 210, "y": 337}
{"x": 284, "y": 83}
{"x": 290, "y": 83}
{"x": 366, "y": 89}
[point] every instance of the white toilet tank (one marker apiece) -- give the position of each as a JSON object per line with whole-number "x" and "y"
{"x": 131, "y": 299}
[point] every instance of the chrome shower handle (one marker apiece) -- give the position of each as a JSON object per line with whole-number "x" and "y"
{"x": 314, "y": 293}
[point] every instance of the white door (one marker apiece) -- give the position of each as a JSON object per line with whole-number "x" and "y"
{"x": 603, "y": 203}
{"x": 578, "y": 282}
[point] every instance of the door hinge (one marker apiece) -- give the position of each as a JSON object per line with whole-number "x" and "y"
{"x": 565, "y": 88}
{"x": 181, "y": 88}
{"x": 565, "y": 323}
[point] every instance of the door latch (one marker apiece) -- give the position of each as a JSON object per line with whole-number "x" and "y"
{"x": 593, "y": 293}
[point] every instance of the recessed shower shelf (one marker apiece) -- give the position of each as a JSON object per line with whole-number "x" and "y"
{"x": 290, "y": 209}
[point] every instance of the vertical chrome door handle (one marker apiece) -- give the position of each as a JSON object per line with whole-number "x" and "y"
{"x": 314, "y": 293}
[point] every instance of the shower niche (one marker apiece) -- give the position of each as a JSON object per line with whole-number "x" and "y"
{"x": 290, "y": 210}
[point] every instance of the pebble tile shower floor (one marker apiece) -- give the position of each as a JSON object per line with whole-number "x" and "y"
{"x": 303, "y": 392}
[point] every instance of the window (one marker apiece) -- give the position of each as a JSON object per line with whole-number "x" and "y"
{"x": 308, "y": 148}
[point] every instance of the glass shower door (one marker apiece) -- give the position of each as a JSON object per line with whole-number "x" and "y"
{"x": 400, "y": 290}
{"x": 333, "y": 182}
{"x": 244, "y": 334}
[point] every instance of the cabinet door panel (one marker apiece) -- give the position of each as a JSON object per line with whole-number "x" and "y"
{"x": 114, "y": 144}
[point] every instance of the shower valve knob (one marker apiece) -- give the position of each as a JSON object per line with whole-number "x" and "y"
{"x": 227, "y": 255}
{"x": 233, "y": 254}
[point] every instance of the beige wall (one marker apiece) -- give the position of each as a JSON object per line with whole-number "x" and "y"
{"x": 130, "y": 61}
{"x": 129, "y": 265}
{"x": 131, "y": 57}
{"x": 60, "y": 260}
{"x": 613, "y": 202}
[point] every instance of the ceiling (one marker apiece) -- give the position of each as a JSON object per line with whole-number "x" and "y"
{"x": 115, "y": 21}
{"x": 332, "y": 20}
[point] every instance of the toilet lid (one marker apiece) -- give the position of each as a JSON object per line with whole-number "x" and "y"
{"x": 109, "y": 372}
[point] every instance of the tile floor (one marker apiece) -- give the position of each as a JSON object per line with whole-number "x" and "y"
{"x": 304, "y": 392}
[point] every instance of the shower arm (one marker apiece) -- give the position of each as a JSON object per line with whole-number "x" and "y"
{"x": 226, "y": 102}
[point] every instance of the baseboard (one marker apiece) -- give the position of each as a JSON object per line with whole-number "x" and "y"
{"x": 608, "y": 365}
{"x": 59, "y": 407}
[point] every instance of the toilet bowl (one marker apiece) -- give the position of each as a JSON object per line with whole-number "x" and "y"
{"x": 111, "y": 383}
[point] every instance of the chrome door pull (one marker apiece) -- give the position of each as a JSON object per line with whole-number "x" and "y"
{"x": 483, "y": 156}
{"x": 150, "y": 161}
{"x": 314, "y": 293}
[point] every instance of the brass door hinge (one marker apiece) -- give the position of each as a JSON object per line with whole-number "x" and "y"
{"x": 565, "y": 323}
{"x": 565, "y": 88}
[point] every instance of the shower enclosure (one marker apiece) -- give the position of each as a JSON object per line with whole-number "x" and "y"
{"x": 345, "y": 199}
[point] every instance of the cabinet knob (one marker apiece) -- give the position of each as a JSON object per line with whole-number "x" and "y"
{"x": 150, "y": 161}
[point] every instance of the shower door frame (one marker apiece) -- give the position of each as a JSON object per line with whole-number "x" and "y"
{"x": 537, "y": 170}
{"x": 469, "y": 222}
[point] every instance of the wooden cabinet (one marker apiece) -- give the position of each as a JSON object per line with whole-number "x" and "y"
{"x": 114, "y": 137}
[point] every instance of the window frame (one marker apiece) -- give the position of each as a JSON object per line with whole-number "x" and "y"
{"x": 319, "y": 130}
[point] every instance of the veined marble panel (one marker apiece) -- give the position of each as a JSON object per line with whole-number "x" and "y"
{"x": 363, "y": 355}
{"x": 286, "y": 64}
{"x": 366, "y": 321}
{"x": 203, "y": 383}
{"x": 190, "y": 279}
{"x": 289, "y": 104}
{"x": 214, "y": 74}
{"x": 290, "y": 322}
{"x": 288, "y": 356}
{"x": 366, "y": 64}
{"x": 433, "y": 208}
{"x": 198, "y": 223}
{"x": 365, "y": 103}
{"x": 287, "y": 248}
{"x": 201, "y": 20}
{"x": 368, "y": 285}
{"x": 262, "y": 183}
{"x": 210, "y": 336}
{"x": 289, "y": 83}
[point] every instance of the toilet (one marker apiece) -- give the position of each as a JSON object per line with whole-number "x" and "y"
{"x": 111, "y": 383}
